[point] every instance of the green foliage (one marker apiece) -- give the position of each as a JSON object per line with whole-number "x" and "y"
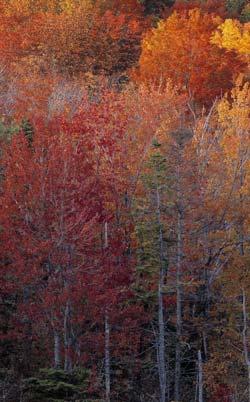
{"x": 28, "y": 130}
{"x": 156, "y": 183}
{"x": 7, "y": 131}
{"x": 155, "y": 6}
{"x": 53, "y": 385}
{"x": 235, "y": 6}
{"x": 245, "y": 15}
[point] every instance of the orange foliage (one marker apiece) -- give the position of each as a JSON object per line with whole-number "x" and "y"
{"x": 52, "y": 43}
{"x": 179, "y": 49}
{"x": 76, "y": 40}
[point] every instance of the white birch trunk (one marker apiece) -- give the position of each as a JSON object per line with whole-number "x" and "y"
{"x": 57, "y": 350}
{"x": 107, "y": 358}
{"x": 161, "y": 323}
{"x": 244, "y": 302}
{"x": 200, "y": 378}
{"x": 178, "y": 291}
{"x": 106, "y": 235}
{"x": 67, "y": 339}
{"x": 245, "y": 340}
{"x": 178, "y": 311}
{"x": 107, "y": 336}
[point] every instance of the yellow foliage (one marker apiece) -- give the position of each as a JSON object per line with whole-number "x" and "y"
{"x": 232, "y": 35}
{"x": 234, "y": 119}
{"x": 236, "y": 113}
{"x": 27, "y": 7}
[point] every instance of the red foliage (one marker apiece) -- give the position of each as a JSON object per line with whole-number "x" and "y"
{"x": 59, "y": 190}
{"x": 210, "y": 6}
{"x": 222, "y": 394}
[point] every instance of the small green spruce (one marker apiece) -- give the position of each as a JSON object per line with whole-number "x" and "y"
{"x": 28, "y": 130}
{"x": 55, "y": 385}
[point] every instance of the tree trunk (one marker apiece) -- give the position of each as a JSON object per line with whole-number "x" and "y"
{"x": 200, "y": 378}
{"x": 107, "y": 357}
{"x": 161, "y": 324}
{"x": 57, "y": 351}
{"x": 244, "y": 302}
{"x": 107, "y": 335}
{"x": 106, "y": 235}
{"x": 67, "y": 339}
{"x": 178, "y": 293}
{"x": 244, "y": 339}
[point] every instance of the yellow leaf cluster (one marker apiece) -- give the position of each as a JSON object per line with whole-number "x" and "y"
{"x": 234, "y": 119}
{"x": 232, "y": 35}
{"x": 27, "y": 7}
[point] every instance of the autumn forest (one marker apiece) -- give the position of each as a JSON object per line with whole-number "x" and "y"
{"x": 124, "y": 200}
